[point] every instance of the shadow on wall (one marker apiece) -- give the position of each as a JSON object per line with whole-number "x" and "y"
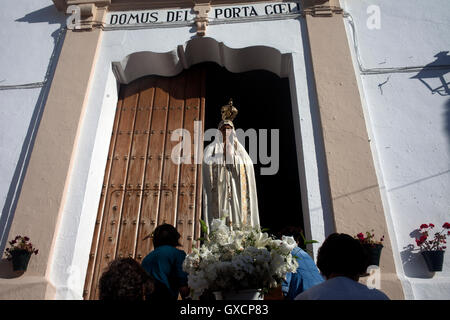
{"x": 434, "y": 75}
{"x": 414, "y": 264}
{"x": 6, "y": 270}
{"x": 324, "y": 183}
{"x": 447, "y": 120}
{"x": 48, "y": 15}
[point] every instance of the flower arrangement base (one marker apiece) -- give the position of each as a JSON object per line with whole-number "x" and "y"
{"x": 20, "y": 259}
{"x": 249, "y": 294}
{"x": 434, "y": 259}
{"x": 374, "y": 253}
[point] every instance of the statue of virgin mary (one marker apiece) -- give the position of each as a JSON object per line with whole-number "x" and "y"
{"x": 229, "y": 187}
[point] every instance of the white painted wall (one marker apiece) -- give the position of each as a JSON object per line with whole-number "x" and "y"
{"x": 74, "y": 240}
{"x": 28, "y": 30}
{"x": 409, "y": 126}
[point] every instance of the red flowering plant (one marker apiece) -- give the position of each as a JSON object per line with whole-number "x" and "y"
{"x": 369, "y": 238}
{"x": 20, "y": 243}
{"x": 438, "y": 243}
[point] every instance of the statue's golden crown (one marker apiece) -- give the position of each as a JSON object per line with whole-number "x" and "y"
{"x": 229, "y": 112}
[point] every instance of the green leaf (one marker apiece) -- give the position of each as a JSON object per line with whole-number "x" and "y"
{"x": 204, "y": 226}
{"x": 305, "y": 242}
{"x": 265, "y": 229}
{"x": 303, "y": 237}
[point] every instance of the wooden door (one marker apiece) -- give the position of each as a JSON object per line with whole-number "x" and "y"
{"x": 142, "y": 186}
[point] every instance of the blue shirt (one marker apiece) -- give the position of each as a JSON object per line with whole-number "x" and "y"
{"x": 307, "y": 275}
{"x": 165, "y": 264}
{"x": 342, "y": 288}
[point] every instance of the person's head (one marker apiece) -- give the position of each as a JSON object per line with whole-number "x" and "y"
{"x": 342, "y": 255}
{"x": 125, "y": 279}
{"x": 166, "y": 234}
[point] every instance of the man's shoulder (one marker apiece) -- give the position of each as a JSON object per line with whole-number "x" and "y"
{"x": 180, "y": 252}
{"x": 299, "y": 252}
{"x": 342, "y": 288}
{"x": 173, "y": 251}
{"x": 375, "y": 294}
{"x": 304, "y": 259}
{"x": 358, "y": 290}
{"x": 314, "y": 292}
{"x": 165, "y": 252}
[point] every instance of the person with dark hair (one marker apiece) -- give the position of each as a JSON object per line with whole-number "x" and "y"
{"x": 307, "y": 274}
{"x": 342, "y": 259}
{"x": 125, "y": 279}
{"x": 165, "y": 265}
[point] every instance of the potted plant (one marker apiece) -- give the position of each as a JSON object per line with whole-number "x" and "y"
{"x": 239, "y": 263}
{"x": 433, "y": 249}
{"x": 372, "y": 246}
{"x": 20, "y": 252}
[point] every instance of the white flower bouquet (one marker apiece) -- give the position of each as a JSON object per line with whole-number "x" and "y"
{"x": 232, "y": 259}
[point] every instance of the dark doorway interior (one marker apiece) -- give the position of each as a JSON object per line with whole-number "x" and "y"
{"x": 263, "y": 101}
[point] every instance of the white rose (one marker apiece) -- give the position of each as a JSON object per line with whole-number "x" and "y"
{"x": 262, "y": 239}
{"x": 275, "y": 243}
{"x": 289, "y": 241}
{"x": 293, "y": 265}
{"x": 284, "y": 249}
{"x": 237, "y": 244}
{"x": 191, "y": 262}
{"x": 219, "y": 225}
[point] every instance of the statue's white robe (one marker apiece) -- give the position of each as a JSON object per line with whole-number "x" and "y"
{"x": 229, "y": 189}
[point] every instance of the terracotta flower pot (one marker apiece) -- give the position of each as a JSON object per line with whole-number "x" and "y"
{"x": 374, "y": 253}
{"x": 20, "y": 259}
{"x": 434, "y": 259}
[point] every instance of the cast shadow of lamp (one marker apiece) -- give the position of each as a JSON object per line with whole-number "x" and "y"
{"x": 434, "y": 75}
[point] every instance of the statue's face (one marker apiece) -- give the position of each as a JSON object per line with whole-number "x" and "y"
{"x": 226, "y": 130}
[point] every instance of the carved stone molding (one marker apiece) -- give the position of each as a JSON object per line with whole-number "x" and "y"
{"x": 201, "y": 20}
{"x": 89, "y": 8}
{"x": 313, "y": 7}
{"x": 121, "y": 5}
{"x": 322, "y": 11}
{"x": 198, "y": 50}
{"x": 321, "y": 8}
